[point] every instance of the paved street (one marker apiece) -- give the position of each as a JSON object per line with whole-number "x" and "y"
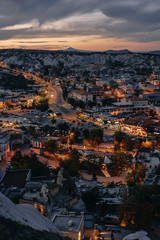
{"x": 56, "y": 101}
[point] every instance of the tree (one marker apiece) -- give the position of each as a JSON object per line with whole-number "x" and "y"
{"x": 138, "y": 143}
{"x": 53, "y": 120}
{"x": 77, "y": 78}
{"x": 150, "y": 129}
{"x": 119, "y": 160}
{"x": 126, "y": 211}
{"x": 81, "y": 104}
{"x": 63, "y": 127}
{"x": 96, "y": 136}
{"x": 9, "y": 103}
{"x": 31, "y": 129}
{"x": 107, "y": 101}
{"x": 91, "y": 104}
{"x": 72, "y": 101}
{"x": 90, "y": 198}
{"x": 64, "y": 92}
{"x": 113, "y": 85}
{"x": 72, "y": 138}
{"x": 138, "y": 207}
{"x": 143, "y": 214}
{"x": 72, "y": 164}
{"x": 63, "y": 139}
{"x": 86, "y": 133}
{"x": 151, "y": 113}
{"x": 18, "y": 161}
{"x": 94, "y": 177}
{"x": 50, "y": 145}
{"x": 157, "y": 170}
{"x": 74, "y": 135}
{"x": 123, "y": 141}
{"x": 136, "y": 176}
{"x": 119, "y": 136}
{"x": 85, "y": 87}
{"x": 127, "y": 143}
{"x": 50, "y": 110}
{"x": 44, "y": 94}
{"x": 43, "y": 104}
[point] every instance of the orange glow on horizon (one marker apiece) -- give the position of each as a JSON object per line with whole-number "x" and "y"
{"x": 90, "y": 43}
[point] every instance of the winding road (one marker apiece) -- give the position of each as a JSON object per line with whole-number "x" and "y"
{"x": 57, "y": 103}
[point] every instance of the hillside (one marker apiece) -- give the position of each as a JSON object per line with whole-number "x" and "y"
{"x": 11, "y": 81}
{"x": 56, "y": 63}
{"x": 10, "y": 230}
{"x": 25, "y": 214}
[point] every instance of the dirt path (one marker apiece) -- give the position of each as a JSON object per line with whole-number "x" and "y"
{"x": 102, "y": 179}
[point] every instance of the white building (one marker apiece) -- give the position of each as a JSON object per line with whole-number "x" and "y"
{"x": 81, "y": 95}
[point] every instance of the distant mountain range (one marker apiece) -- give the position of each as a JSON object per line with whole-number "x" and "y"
{"x": 71, "y": 61}
{"x": 118, "y": 51}
{"x": 70, "y": 49}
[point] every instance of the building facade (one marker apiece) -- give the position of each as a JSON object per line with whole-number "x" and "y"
{"x": 81, "y": 95}
{"x": 4, "y": 145}
{"x": 70, "y": 225}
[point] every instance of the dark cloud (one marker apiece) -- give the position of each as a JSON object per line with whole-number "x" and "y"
{"x": 141, "y": 11}
{"x": 17, "y": 11}
{"x": 137, "y": 20}
{"x": 141, "y": 18}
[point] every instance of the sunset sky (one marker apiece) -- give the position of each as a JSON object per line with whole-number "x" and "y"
{"x": 82, "y": 24}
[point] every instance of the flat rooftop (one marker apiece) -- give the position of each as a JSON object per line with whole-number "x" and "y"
{"x": 66, "y": 223}
{"x": 122, "y": 104}
{"x": 15, "y": 178}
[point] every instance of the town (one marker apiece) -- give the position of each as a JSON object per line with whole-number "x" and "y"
{"x": 80, "y": 142}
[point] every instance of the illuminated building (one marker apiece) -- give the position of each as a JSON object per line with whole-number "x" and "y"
{"x": 134, "y": 128}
